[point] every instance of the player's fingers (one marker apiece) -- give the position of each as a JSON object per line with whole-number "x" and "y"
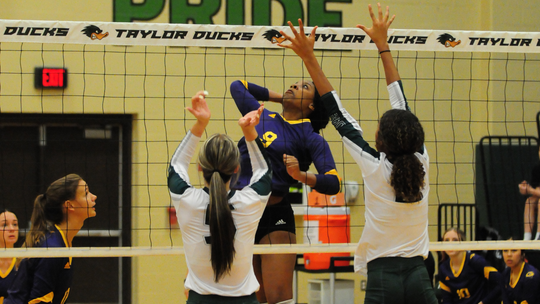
{"x": 380, "y": 11}
{"x": 386, "y": 14}
{"x": 361, "y": 26}
{"x": 287, "y": 46}
{"x": 371, "y": 14}
{"x": 293, "y": 29}
{"x": 301, "y": 27}
{"x": 199, "y": 93}
{"x": 391, "y": 20}
{"x": 313, "y": 31}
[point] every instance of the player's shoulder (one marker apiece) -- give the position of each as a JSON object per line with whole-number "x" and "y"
{"x": 476, "y": 259}
{"x": 531, "y": 272}
{"x": 245, "y": 197}
{"x": 52, "y": 239}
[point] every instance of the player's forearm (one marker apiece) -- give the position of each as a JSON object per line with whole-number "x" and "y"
{"x": 307, "y": 178}
{"x": 275, "y": 96}
{"x": 250, "y": 133}
{"x": 322, "y": 83}
{"x": 198, "y": 128}
{"x": 390, "y": 69}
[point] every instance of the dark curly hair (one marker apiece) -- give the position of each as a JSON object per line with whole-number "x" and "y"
{"x": 319, "y": 117}
{"x": 400, "y": 135}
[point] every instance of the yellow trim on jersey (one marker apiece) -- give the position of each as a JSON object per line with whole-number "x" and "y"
{"x": 296, "y": 121}
{"x": 62, "y": 234}
{"x": 519, "y": 276}
{"x": 1, "y": 300}
{"x": 334, "y": 172}
{"x": 489, "y": 269}
{"x": 245, "y": 83}
{"x": 444, "y": 287}
{"x": 64, "y": 299}
{"x": 457, "y": 273}
{"x": 4, "y": 275}
{"x": 64, "y": 238}
{"x": 46, "y": 298}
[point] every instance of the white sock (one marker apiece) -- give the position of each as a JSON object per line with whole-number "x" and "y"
{"x": 290, "y": 301}
{"x": 537, "y": 237}
{"x": 527, "y": 236}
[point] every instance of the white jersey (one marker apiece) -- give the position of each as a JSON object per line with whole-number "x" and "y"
{"x": 392, "y": 229}
{"x": 247, "y": 206}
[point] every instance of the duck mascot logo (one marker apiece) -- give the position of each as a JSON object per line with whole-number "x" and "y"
{"x": 274, "y": 36}
{"x": 448, "y": 40}
{"x": 94, "y": 32}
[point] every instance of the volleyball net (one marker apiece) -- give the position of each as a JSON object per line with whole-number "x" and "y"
{"x": 121, "y": 115}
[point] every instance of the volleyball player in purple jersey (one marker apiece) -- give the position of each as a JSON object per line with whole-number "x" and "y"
{"x": 292, "y": 141}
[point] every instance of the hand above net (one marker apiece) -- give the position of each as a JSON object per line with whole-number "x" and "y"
{"x": 248, "y": 123}
{"x": 200, "y": 110}
{"x": 378, "y": 32}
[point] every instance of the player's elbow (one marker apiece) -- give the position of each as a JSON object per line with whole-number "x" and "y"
{"x": 327, "y": 184}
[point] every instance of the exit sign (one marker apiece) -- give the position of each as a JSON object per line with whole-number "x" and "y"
{"x": 50, "y": 78}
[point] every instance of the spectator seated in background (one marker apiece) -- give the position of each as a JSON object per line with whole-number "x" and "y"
{"x": 532, "y": 190}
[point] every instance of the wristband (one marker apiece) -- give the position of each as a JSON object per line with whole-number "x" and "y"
{"x": 384, "y": 51}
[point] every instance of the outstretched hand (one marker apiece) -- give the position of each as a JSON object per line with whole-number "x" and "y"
{"x": 378, "y": 32}
{"x": 248, "y": 123}
{"x": 252, "y": 118}
{"x": 301, "y": 44}
{"x": 200, "y": 110}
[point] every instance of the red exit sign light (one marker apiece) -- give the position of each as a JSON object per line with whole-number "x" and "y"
{"x": 50, "y": 78}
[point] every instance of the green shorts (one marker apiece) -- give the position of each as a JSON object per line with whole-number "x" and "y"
{"x": 395, "y": 280}
{"x": 195, "y": 298}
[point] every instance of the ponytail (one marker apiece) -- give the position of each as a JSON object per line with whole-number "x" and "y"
{"x": 49, "y": 208}
{"x": 39, "y": 223}
{"x": 222, "y": 228}
{"x": 400, "y": 135}
{"x": 219, "y": 158}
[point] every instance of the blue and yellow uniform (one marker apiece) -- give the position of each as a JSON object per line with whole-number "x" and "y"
{"x": 281, "y": 136}
{"x": 6, "y": 279}
{"x": 469, "y": 285}
{"x": 43, "y": 280}
{"x": 525, "y": 290}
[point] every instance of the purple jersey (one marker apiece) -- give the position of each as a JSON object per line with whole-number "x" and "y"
{"x": 46, "y": 280}
{"x": 526, "y": 289}
{"x": 469, "y": 285}
{"x": 281, "y": 136}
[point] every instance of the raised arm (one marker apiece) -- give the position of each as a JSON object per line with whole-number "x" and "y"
{"x": 248, "y": 123}
{"x": 200, "y": 110}
{"x": 302, "y": 45}
{"x": 378, "y": 33}
{"x": 261, "y": 178}
{"x": 178, "y": 179}
{"x": 247, "y": 95}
